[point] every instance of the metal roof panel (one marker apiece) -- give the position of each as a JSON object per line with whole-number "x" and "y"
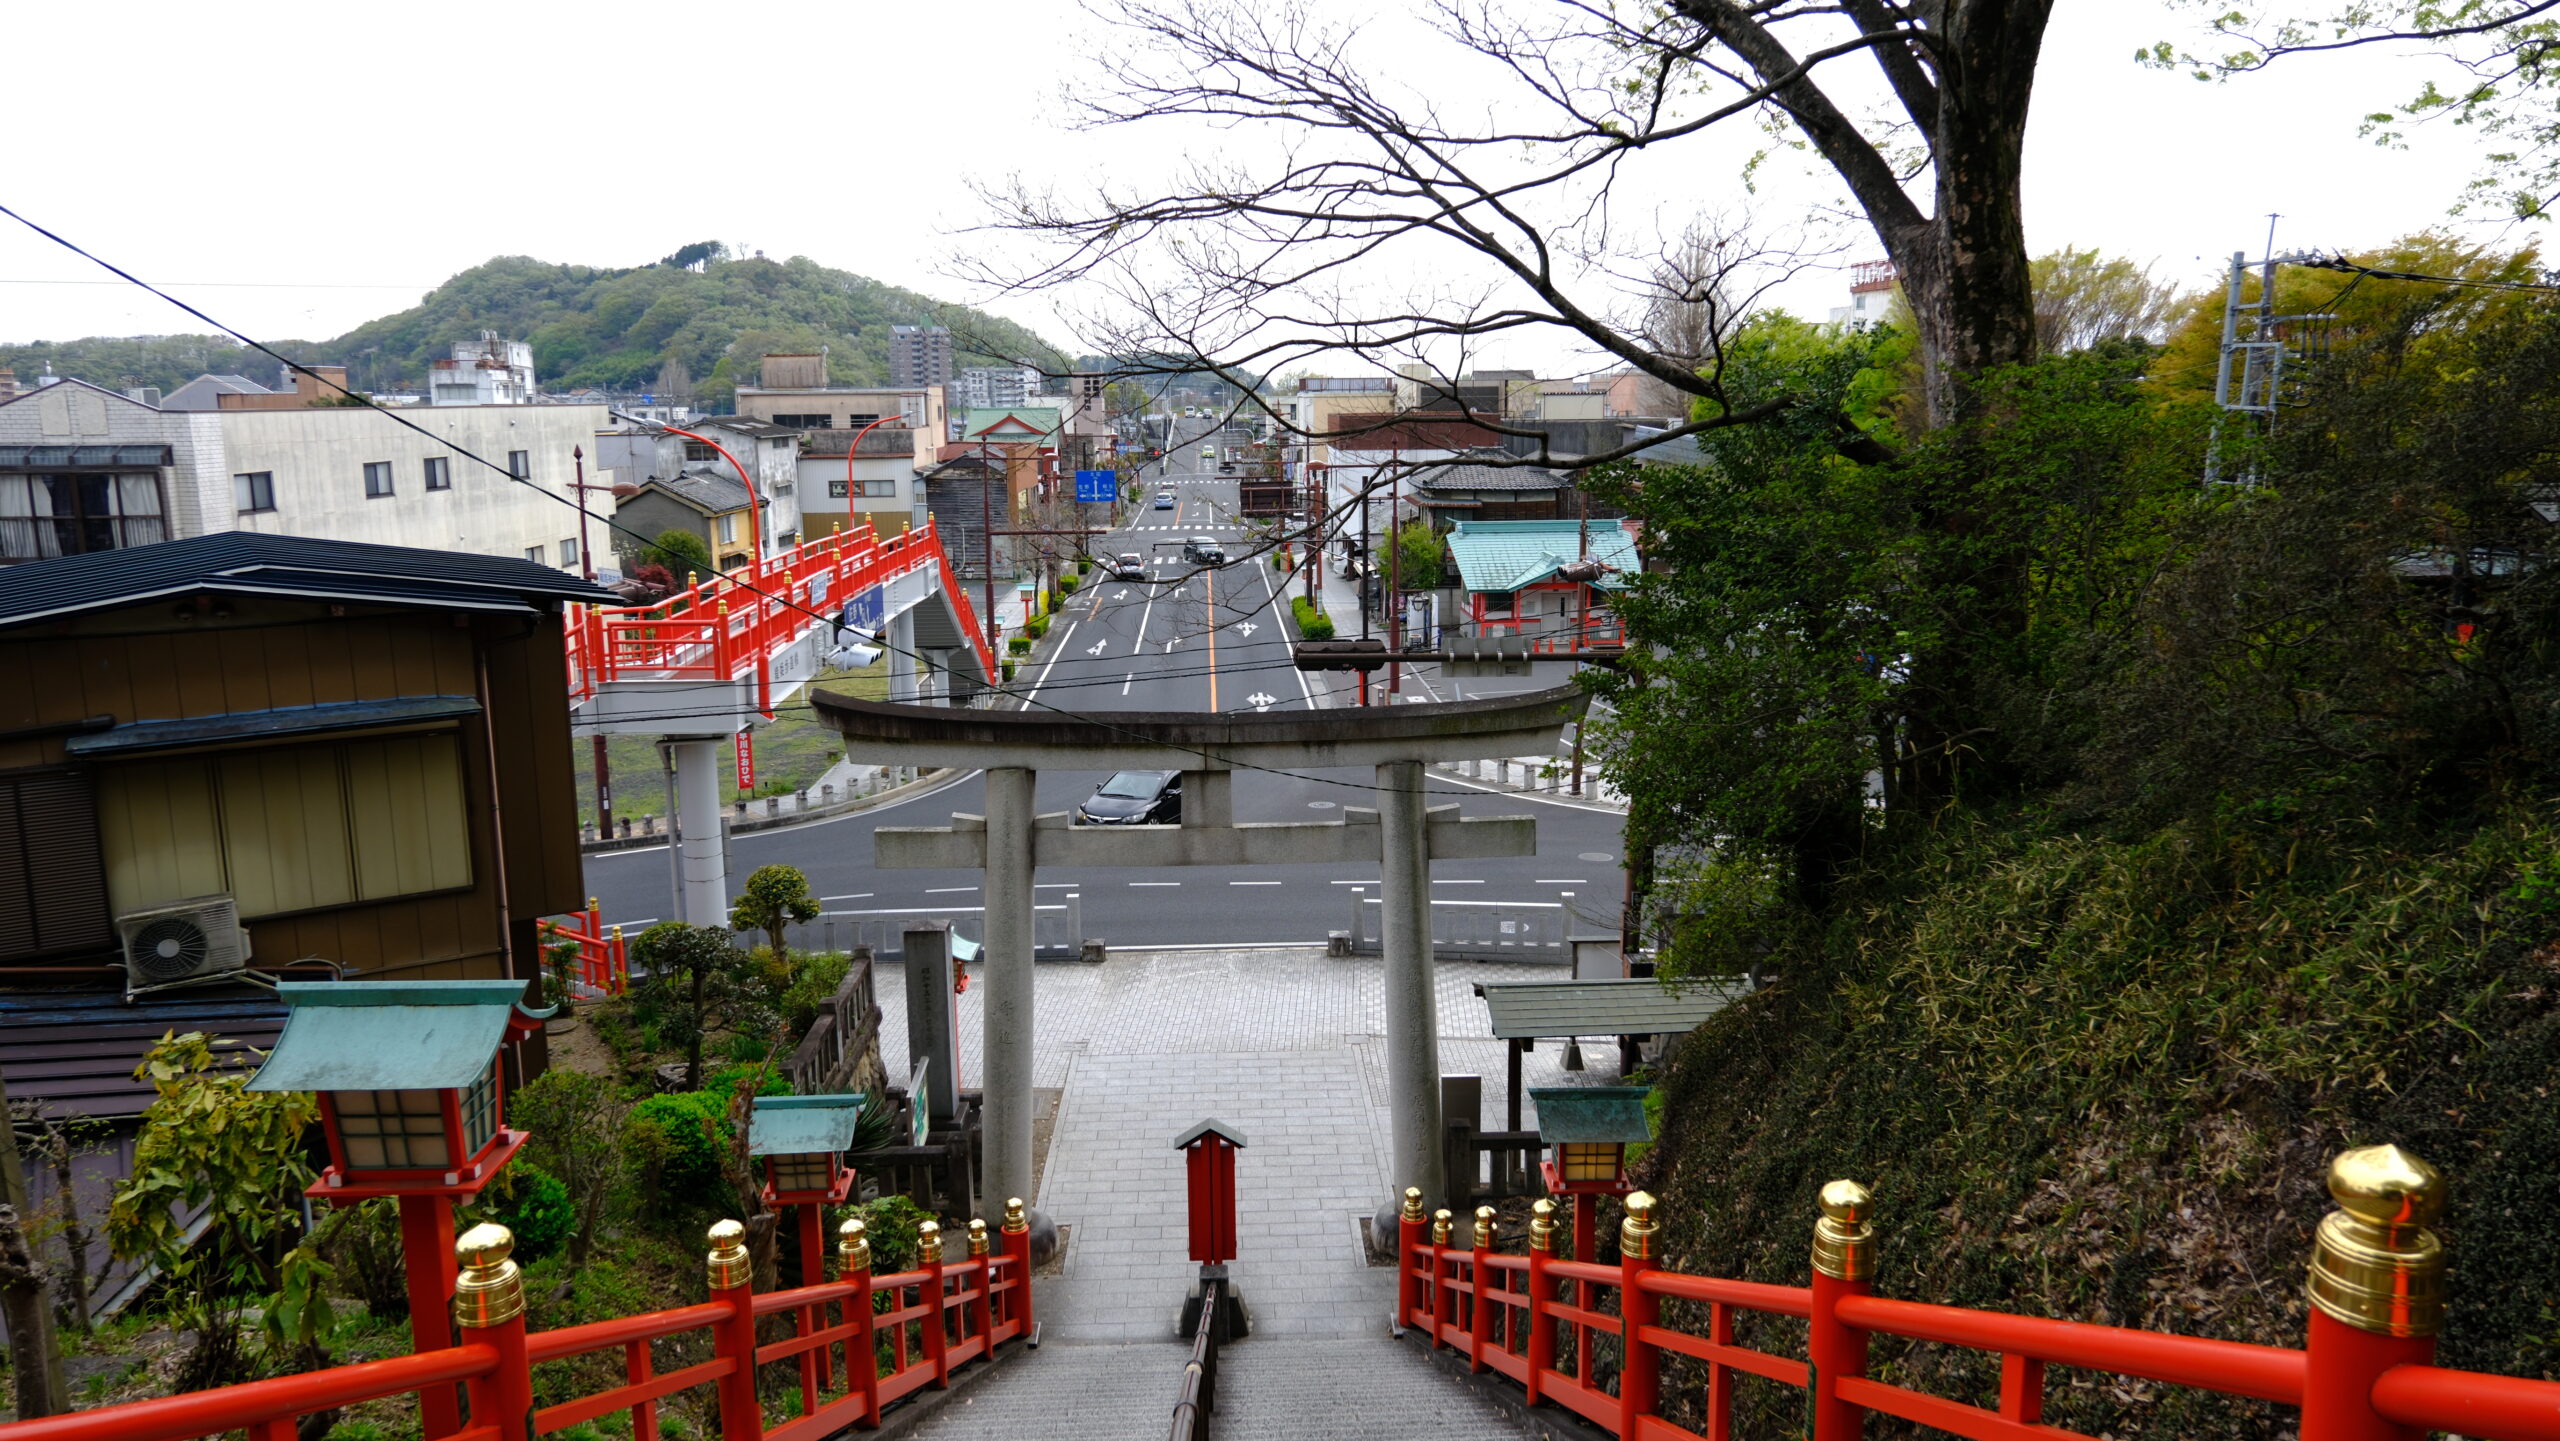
{"x": 1638, "y": 1007}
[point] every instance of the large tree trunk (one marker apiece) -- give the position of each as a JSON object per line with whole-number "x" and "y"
{"x": 1964, "y": 270}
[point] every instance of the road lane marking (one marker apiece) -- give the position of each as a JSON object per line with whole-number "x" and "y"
{"x": 856, "y": 896}
{"x": 1155, "y": 883}
{"x": 1438, "y": 882}
{"x": 1126, "y": 681}
{"x": 635, "y": 925}
{"x": 1559, "y": 881}
{"x": 1253, "y": 883}
{"x": 947, "y": 890}
{"x": 1209, "y": 591}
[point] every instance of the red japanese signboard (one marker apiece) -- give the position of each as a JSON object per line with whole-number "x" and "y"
{"x": 747, "y": 759}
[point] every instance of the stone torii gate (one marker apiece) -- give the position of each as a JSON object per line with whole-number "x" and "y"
{"x": 1010, "y": 843}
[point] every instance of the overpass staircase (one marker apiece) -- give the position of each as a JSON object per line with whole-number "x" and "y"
{"x": 707, "y": 660}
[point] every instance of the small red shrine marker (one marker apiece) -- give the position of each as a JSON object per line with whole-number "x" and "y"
{"x": 1211, "y": 1148}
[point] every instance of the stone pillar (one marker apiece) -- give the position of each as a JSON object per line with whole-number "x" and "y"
{"x": 902, "y": 658}
{"x": 1006, "y": 965}
{"x": 933, "y": 1030}
{"x": 702, "y": 867}
{"x": 1412, "y": 1005}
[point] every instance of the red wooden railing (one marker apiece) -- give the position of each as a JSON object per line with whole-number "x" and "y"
{"x": 935, "y": 1319}
{"x": 2363, "y": 1373}
{"x": 728, "y": 626}
{"x": 604, "y": 959}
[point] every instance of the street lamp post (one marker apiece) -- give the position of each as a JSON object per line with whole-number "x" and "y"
{"x": 755, "y": 502}
{"x": 855, "y": 449}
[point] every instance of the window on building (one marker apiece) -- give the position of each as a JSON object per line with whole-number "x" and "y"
{"x": 569, "y": 552}
{"x": 45, "y": 515}
{"x": 533, "y": 553}
{"x": 836, "y": 489}
{"x": 887, "y": 486}
{"x": 857, "y": 420}
{"x": 291, "y": 828}
{"x": 254, "y": 491}
{"x": 728, "y": 528}
{"x": 53, "y": 890}
{"x": 779, "y": 442}
{"x": 1497, "y": 602}
{"x": 698, "y": 450}
{"x": 520, "y": 463}
{"x": 806, "y": 422}
{"x": 439, "y": 472}
{"x": 377, "y": 479}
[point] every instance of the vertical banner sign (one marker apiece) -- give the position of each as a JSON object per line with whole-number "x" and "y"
{"x": 746, "y": 759}
{"x": 1097, "y": 487}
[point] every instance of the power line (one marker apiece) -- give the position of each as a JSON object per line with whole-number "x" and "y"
{"x": 609, "y": 522}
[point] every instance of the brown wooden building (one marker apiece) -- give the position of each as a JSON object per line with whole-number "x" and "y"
{"x": 357, "y": 757}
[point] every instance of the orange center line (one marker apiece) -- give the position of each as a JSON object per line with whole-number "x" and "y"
{"x": 1209, "y": 584}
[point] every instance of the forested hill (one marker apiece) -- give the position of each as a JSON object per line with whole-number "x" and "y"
{"x": 590, "y": 327}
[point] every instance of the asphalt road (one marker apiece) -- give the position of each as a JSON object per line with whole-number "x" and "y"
{"x": 1190, "y": 640}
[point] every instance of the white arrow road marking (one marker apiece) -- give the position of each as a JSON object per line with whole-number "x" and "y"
{"x": 1244, "y": 628}
{"x": 1260, "y": 700}
{"x": 1096, "y": 647}
{"x": 1177, "y": 640}
{"x": 1119, "y": 595}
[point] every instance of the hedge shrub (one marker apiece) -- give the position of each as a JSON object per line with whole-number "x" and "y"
{"x": 1313, "y": 623}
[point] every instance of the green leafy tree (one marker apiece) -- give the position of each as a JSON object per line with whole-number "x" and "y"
{"x": 681, "y": 552}
{"x": 1812, "y": 620}
{"x": 210, "y": 1146}
{"x": 1416, "y": 553}
{"x": 699, "y": 981}
{"x": 575, "y": 1119}
{"x": 774, "y": 897}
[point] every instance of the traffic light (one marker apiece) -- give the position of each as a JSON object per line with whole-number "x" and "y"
{"x": 1361, "y": 655}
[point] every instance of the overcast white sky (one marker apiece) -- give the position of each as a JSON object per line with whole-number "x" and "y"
{"x": 327, "y": 163}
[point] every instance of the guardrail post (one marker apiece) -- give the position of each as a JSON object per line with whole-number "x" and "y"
{"x": 2377, "y": 1291}
{"x": 1639, "y": 1364}
{"x": 983, "y": 1313}
{"x": 1480, "y": 1313}
{"x": 862, "y": 1348}
{"x": 1441, "y": 1296}
{"x": 936, "y": 1343}
{"x": 1017, "y": 1250}
{"x": 1412, "y": 1233}
{"x": 732, "y": 1279}
{"x": 488, "y": 1306}
{"x": 1843, "y": 1265}
{"x": 1542, "y": 1317}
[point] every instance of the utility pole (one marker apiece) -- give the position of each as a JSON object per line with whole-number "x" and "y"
{"x": 1360, "y": 581}
{"x": 587, "y": 562}
{"x": 1582, "y": 625}
{"x": 1395, "y": 582}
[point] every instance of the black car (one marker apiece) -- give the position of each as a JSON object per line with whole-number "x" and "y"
{"x": 1134, "y": 798}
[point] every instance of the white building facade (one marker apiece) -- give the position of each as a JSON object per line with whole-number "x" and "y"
{"x": 487, "y": 371}
{"x": 81, "y": 468}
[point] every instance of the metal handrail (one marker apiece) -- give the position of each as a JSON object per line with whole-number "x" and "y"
{"x": 1197, "y": 1405}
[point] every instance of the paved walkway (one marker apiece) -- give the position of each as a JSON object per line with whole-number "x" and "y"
{"x": 1284, "y": 1046}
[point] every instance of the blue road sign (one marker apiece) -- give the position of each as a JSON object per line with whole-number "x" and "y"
{"x": 1093, "y": 486}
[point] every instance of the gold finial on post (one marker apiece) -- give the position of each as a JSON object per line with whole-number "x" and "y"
{"x": 2375, "y": 1265}
{"x": 1635, "y": 1234}
{"x": 1015, "y": 1223}
{"x": 1542, "y": 1226}
{"x": 977, "y": 1236}
{"x": 928, "y": 1242}
{"x": 1440, "y": 1227}
{"x": 728, "y": 1258}
{"x": 692, "y": 579}
{"x": 593, "y": 904}
{"x": 1843, "y": 1242}
{"x": 853, "y": 1246}
{"x": 489, "y": 1290}
{"x": 1484, "y": 1228}
{"x": 1413, "y": 1203}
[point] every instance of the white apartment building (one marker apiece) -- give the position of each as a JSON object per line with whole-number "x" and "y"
{"x": 83, "y": 468}
{"x": 999, "y": 387}
{"x": 487, "y": 371}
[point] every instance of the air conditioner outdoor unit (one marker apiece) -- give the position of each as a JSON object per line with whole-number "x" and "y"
{"x": 182, "y": 943}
